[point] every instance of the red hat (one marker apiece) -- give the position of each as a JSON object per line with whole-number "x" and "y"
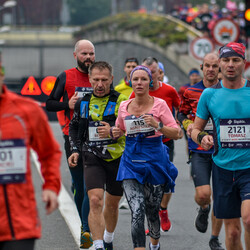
{"x": 232, "y": 49}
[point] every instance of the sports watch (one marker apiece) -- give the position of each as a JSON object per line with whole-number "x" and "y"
{"x": 160, "y": 126}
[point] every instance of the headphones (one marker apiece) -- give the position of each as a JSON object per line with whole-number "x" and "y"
{"x": 150, "y": 84}
{"x": 202, "y": 68}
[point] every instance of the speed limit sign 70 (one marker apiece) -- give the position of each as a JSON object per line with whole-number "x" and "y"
{"x": 201, "y": 46}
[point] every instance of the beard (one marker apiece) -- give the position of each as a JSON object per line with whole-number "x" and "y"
{"x": 83, "y": 66}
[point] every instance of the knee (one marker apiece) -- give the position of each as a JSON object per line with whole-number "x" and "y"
{"x": 246, "y": 222}
{"x": 203, "y": 198}
{"x": 234, "y": 234}
{"x": 95, "y": 202}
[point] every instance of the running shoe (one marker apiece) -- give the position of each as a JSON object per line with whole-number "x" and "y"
{"x": 151, "y": 244}
{"x": 201, "y": 221}
{"x": 108, "y": 246}
{"x": 215, "y": 244}
{"x": 165, "y": 222}
{"x": 85, "y": 240}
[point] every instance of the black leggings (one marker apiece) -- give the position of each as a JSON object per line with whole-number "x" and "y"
{"x": 143, "y": 199}
{"x": 28, "y": 244}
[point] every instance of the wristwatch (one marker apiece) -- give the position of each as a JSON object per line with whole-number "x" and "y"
{"x": 160, "y": 126}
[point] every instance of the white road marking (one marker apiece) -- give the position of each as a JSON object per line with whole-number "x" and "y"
{"x": 67, "y": 206}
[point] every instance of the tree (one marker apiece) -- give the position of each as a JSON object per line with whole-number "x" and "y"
{"x": 86, "y": 11}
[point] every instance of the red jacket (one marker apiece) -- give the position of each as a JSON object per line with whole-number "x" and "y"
{"x": 21, "y": 119}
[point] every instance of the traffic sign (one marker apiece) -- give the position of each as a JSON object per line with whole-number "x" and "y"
{"x": 225, "y": 31}
{"x": 200, "y": 46}
{"x": 31, "y": 87}
{"x": 47, "y": 84}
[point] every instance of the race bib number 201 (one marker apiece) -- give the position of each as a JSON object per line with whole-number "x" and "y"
{"x": 13, "y": 160}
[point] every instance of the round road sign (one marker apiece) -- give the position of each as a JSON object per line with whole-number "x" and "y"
{"x": 201, "y": 46}
{"x": 225, "y": 31}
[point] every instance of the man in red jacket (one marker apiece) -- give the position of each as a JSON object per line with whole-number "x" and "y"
{"x": 24, "y": 126}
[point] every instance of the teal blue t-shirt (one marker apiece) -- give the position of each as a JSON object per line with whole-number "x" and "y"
{"x": 230, "y": 112}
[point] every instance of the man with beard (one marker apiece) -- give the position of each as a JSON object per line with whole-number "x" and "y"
{"x": 70, "y": 85}
{"x": 201, "y": 159}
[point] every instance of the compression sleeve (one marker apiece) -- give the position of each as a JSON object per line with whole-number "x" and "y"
{"x": 53, "y": 103}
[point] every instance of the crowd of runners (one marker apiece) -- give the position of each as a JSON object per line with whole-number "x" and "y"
{"x": 119, "y": 142}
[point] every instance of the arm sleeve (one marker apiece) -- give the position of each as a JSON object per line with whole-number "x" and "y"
{"x": 74, "y": 139}
{"x": 53, "y": 103}
{"x": 46, "y": 147}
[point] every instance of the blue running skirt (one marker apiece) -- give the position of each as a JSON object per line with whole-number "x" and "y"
{"x": 147, "y": 160}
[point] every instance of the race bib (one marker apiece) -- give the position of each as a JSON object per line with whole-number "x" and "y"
{"x": 209, "y": 127}
{"x": 137, "y": 125}
{"x": 82, "y": 91}
{"x": 13, "y": 159}
{"x": 235, "y": 133}
{"x": 94, "y": 138}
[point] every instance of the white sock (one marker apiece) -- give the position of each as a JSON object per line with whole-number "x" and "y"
{"x": 154, "y": 247}
{"x": 108, "y": 237}
{"x": 98, "y": 244}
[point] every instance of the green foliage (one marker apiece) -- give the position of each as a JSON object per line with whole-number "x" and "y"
{"x": 86, "y": 11}
{"x": 157, "y": 29}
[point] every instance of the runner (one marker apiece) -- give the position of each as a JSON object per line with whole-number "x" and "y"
{"x": 94, "y": 114}
{"x": 123, "y": 86}
{"x": 162, "y": 77}
{"x": 145, "y": 167}
{"x": 228, "y": 105}
{"x": 24, "y": 126}
{"x": 194, "y": 77}
{"x": 170, "y": 96}
{"x": 69, "y": 85}
{"x": 201, "y": 160}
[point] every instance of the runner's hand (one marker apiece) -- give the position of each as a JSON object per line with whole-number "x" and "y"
{"x": 117, "y": 132}
{"x": 149, "y": 119}
{"x": 104, "y": 131}
{"x": 49, "y": 197}
{"x": 207, "y": 142}
{"x": 189, "y": 129}
{"x": 73, "y": 100}
{"x": 73, "y": 159}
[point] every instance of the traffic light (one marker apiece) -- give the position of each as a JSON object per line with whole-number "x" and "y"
{"x": 247, "y": 18}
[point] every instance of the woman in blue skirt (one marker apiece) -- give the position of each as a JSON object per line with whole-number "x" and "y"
{"x": 145, "y": 167}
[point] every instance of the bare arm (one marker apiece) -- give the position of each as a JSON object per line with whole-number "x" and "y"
{"x": 205, "y": 140}
{"x": 169, "y": 132}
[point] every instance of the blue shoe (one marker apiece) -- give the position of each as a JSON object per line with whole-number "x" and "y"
{"x": 108, "y": 246}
